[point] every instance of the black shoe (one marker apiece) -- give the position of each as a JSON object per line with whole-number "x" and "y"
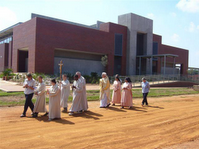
{"x": 108, "y": 105}
{"x": 23, "y": 115}
{"x": 35, "y": 115}
{"x": 45, "y": 114}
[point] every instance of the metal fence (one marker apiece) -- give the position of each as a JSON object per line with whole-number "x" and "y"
{"x": 158, "y": 79}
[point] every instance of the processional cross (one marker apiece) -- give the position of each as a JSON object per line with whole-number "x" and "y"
{"x": 60, "y": 68}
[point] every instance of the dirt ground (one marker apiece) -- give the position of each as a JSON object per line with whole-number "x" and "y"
{"x": 168, "y": 123}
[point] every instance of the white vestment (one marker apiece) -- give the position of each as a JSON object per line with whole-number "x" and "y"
{"x": 104, "y": 92}
{"x": 77, "y": 97}
{"x": 84, "y": 98}
{"x": 65, "y": 91}
{"x": 40, "y": 104}
{"x": 54, "y": 102}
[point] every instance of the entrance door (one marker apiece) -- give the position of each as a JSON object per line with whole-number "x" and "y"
{"x": 22, "y": 61}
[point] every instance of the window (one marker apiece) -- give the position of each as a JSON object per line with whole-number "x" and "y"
{"x": 118, "y": 44}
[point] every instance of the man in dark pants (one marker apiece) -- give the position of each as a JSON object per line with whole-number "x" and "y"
{"x": 29, "y": 85}
{"x": 145, "y": 91}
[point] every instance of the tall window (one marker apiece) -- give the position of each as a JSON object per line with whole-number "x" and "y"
{"x": 118, "y": 44}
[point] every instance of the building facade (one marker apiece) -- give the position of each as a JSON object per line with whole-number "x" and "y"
{"x": 39, "y": 44}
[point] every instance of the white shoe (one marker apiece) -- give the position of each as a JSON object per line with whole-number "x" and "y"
{"x": 70, "y": 114}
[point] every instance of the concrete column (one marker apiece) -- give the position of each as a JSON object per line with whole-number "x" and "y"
{"x": 164, "y": 64}
{"x": 140, "y": 65}
{"x": 151, "y": 65}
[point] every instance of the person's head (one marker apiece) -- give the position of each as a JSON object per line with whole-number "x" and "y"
{"x": 104, "y": 75}
{"x": 76, "y": 77}
{"x": 117, "y": 77}
{"x": 78, "y": 73}
{"x": 53, "y": 82}
{"x": 40, "y": 79}
{"x": 29, "y": 76}
{"x": 128, "y": 80}
{"x": 143, "y": 79}
{"x": 64, "y": 77}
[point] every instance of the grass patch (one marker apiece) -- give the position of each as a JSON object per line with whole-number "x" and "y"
{"x": 17, "y": 98}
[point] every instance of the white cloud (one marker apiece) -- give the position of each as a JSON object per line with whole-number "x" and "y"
{"x": 188, "y": 5}
{"x": 192, "y": 27}
{"x": 7, "y": 18}
{"x": 150, "y": 15}
{"x": 175, "y": 37}
{"x": 173, "y": 14}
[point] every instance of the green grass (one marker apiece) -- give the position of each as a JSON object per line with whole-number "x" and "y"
{"x": 2, "y": 93}
{"x": 93, "y": 95}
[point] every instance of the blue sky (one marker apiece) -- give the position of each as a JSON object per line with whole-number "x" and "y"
{"x": 176, "y": 20}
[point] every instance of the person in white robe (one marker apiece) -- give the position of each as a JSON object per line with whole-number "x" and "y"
{"x": 77, "y": 96}
{"x": 104, "y": 91}
{"x": 84, "y": 98}
{"x": 40, "y": 104}
{"x": 65, "y": 92}
{"x": 54, "y": 100}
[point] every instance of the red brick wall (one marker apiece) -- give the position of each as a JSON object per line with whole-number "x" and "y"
{"x": 164, "y": 49}
{"x": 113, "y": 29}
{"x": 3, "y": 56}
{"x": 53, "y": 34}
{"x": 175, "y": 84}
{"x": 24, "y": 36}
{"x": 10, "y": 54}
{"x": 181, "y": 59}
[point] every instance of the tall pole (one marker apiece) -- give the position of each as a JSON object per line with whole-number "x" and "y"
{"x": 60, "y": 68}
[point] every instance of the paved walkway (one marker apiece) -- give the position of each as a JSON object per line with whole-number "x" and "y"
{"x": 8, "y": 86}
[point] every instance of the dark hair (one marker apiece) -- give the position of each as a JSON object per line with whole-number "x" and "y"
{"x": 65, "y": 75}
{"x": 76, "y": 76}
{"x": 29, "y": 75}
{"x": 41, "y": 77}
{"x": 128, "y": 79}
{"x": 117, "y": 77}
{"x": 53, "y": 81}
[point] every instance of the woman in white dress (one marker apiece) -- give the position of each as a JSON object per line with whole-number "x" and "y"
{"x": 54, "y": 101}
{"x": 116, "y": 97}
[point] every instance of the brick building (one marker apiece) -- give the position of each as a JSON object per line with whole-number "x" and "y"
{"x": 39, "y": 44}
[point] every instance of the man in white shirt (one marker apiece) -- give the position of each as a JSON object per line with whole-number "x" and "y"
{"x": 65, "y": 91}
{"x": 145, "y": 91}
{"x": 29, "y": 85}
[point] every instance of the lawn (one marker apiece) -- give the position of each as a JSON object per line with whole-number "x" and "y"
{"x": 17, "y": 98}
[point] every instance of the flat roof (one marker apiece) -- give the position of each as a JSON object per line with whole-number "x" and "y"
{"x": 8, "y": 31}
{"x": 157, "y": 55}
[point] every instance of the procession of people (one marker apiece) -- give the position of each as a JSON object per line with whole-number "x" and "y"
{"x": 58, "y": 94}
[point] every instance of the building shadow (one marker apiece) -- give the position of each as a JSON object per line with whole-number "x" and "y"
{"x": 88, "y": 115}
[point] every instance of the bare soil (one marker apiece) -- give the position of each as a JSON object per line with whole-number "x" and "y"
{"x": 169, "y": 122}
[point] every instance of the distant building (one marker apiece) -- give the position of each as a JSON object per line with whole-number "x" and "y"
{"x": 39, "y": 44}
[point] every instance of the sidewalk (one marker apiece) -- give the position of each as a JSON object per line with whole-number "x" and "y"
{"x": 8, "y": 86}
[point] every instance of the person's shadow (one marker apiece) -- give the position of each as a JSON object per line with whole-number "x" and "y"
{"x": 116, "y": 109}
{"x": 88, "y": 115}
{"x": 155, "y": 107}
{"x": 60, "y": 120}
{"x": 137, "y": 109}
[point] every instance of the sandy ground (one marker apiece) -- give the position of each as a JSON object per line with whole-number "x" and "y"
{"x": 169, "y": 122}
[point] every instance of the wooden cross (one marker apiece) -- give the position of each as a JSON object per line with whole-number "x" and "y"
{"x": 60, "y": 68}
